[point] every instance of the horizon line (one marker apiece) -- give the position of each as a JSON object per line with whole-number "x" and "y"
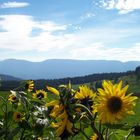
{"x": 18, "y": 59}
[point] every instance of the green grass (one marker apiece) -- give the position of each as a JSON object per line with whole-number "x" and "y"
{"x": 4, "y": 93}
{"x": 134, "y": 84}
{"x": 134, "y": 119}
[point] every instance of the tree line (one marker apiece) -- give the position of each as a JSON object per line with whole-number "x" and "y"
{"x": 41, "y": 83}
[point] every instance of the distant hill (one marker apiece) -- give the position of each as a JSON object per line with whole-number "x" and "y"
{"x": 4, "y": 77}
{"x": 62, "y": 68}
{"x": 93, "y": 78}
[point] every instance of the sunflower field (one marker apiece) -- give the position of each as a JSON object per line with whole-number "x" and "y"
{"x": 66, "y": 113}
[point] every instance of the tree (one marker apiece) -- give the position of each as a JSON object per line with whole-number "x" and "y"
{"x": 137, "y": 72}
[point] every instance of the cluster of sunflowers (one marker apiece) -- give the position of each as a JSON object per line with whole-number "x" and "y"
{"x": 69, "y": 114}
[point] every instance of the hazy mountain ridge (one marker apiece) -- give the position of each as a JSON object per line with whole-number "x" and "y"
{"x": 4, "y": 77}
{"x": 61, "y": 68}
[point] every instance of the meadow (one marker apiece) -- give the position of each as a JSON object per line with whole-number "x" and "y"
{"x": 72, "y": 112}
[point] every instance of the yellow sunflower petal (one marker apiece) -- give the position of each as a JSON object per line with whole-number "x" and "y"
{"x": 53, "y": 90}
{"x": 56, "y": 111}
{"x": 69, "y": 127}
{"x": 94, "y": 137}
{"x": 55, "y": 125}
{"x": 52, "y": 103}
{"x": 61, "y": 128}
{"x": 63, "y": 115}
{"x": 112, "y": 103}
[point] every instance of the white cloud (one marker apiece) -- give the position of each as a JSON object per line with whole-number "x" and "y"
{"x": 17, "y": 38}
{"x": 50, "y": 26}
{"x": 124, "y": 6}
{"x": 18, "y": 34}
{"x": 97, "y": 51}
{"x": 14, "y": 4}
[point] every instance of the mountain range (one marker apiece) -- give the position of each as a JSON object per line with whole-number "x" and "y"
{"x": 62, "y": 68}
{"x": 4, "y": 77}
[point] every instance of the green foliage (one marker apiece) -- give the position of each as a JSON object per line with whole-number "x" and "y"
{"x": 36, "y": 121}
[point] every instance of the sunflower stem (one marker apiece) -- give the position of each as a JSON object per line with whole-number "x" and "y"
{"x": 24, "y": 129}
{"x": 6, "y": 125}
{"x": 100, "y": 126}
{"x": 3, "y": 99}
{"x": 100, "y": 136}
{"x": 85, "y": 134}
{"x": 106, "y": 135}
{"x": 126, "y": 137}
{"x": 6, "y": 117}
{"x": 87, "y": 110}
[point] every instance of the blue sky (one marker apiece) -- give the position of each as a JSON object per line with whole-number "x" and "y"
{"x": 37, "y": 30}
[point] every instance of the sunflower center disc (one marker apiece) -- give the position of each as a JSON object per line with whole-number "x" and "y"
{"x": 114, "y": 104}
{"x": 18, "y": 116}
{"x": 14, "y": 98}
{"x": 26, "y": 86}
{"x": 40, "y": 95}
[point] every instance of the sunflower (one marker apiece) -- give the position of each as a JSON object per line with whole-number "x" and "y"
{"x": 64, "y": 126}
{"x": 59, "y": 112}
{"x": 29, "y": 86}
{"x": 94, "y": 137}
{"x": 18, "y": 117}
{"x": 113, "y": 103}
{"x": 40, "y": 94}
{"x": 56, "y": 104}
{"x": 85, "y": 96}
{"x": 12, "y": 98}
